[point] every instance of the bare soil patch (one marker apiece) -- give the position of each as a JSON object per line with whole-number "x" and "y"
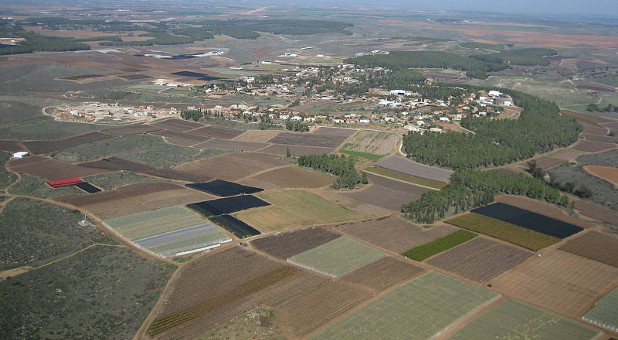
{"x": 480, "y": 259}
{"x": 394, "y": 233}
{"x": 11, "y": 146}
{"x": 330, "y": 131}
{"x": 606, "y": 173}
{"x": 589, "y": 146}
{"x": 257, "y": 136}
{"x": 545, "y": 162}
{"x": 135, "y": 198}
{"x": 387, "y": 193}
{"x": 233, "y": 166}
{"x": 117, "y": 164}
{"x": 177, "y": 125}
{"x": 47, "y": 146}
{"x": 296, "y": 150}
{"x": 287, "y": 244}
{"x": 597, "y": 212}
{"x": 233, "y": 145}
{"x": 290, "y": 177}
{"x": 545, "y": 281}
{"x": 602, "y": 139}
{"x": 383, "y": 273}
{"x": 217, "y": 132}
{"x": 308, "y": 139}
{"x": 595, "y": 246}
{"x": 51, "y": 169}
{"x": 131, "y": 130}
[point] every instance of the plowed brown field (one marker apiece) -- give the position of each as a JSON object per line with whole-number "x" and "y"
{"x": 588, "y": 146}
{"x": 296, "y": 150}
{"x": 233, "y": 166}
{"x": 383, "y": 273}
{"x": 47, "y": 146}
{"x": 116, "y": 164}
{"x": 595, "y": 246}
{"x": 51, "y": 169}
{"x": 596, "y": 211}
{"x": 606, "y": 173}
{"x": 290, "y": 177}
{"x": 234, "y": 145}
{"x": 287, "y": 244}
{"x": 257, "y": 136}
{"x": 177, "y": 125}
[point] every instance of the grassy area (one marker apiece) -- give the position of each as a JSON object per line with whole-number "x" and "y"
{"x": 103, "y": 292}
{"x": 114, "y": 180}
{"x": 369, "y": 156}
{"x": 432, "y": 248}
{"x": 431, "y": 303}
{"x": 516, "y": 320}
{"x": 521, "y": 236}
{"x": 406, "y": 178}
{"x": 45, "y": 130}
{"x": 38, "y": 187}
{"x": 295, "y": 207}
{"x": 338, "y": 256}
{"x": 32, "y": 231}
{"x": 140, "y": 148}
{"x": 6, "y": 177}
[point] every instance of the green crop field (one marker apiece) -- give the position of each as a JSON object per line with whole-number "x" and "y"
{"x": 337, "y": 257}
{"x": 406, "y": 178}
{"x": 366, "y": 155}
{"x": 139, "y": 148}
{"x": 516, "y": 320}
{"x": 114, "y": 180}
{"x": 420, "y": 309}
{"x": 168, "y": 231}
{"x": 432, "y": 248}
{"x": 605, "y": 311}
{"x": 295, "y": 207}
{"x": 521, "y": 236}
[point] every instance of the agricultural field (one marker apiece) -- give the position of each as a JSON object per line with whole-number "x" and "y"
{"x": 296, "y": 150}
{"x": 239, "y": 281}
{"x": 46, "y": 129}
{"x": 595, "y": 246}
{"x": 232, "y": 145}
{"x": 431, "y": 302}
{"x": 597, "y": 211}
{"x": 545, "y": 162}
{"x": 568, "y": 154}
{"x": 337, "y": 257}
{"x": 333, "y": 131}
{"x": 308, "y": 139}
{"x": 105, "y": 292}
{"x": 374, "y": 142}
{"x": 253, "y": 325}
{"x": 295, "y": 207}
{"x": 135, "y": 198}
{"x": 412, "y": 168}
{"x": 169, "y": 232}
{"x": 227, "y": 205}
{"x": 543, "y": 208}
{"x": 136, "y": 129}
{"x": 395, "y": 233}
{"x": 383, "y": 273}
{"x": 287, "y": 244}
{"x": 605, "y": 311}
{"x": 115, "y": 180}
{"x": 179, "y": 138}
{"x": 224, "y": 188}
{"x": 37, "y": 187}
{"x": 179, "y": 125}
{"x": 512, "y": 319}
{"x": 609, "y": 174}
{"x": 589, "y": 146}
{"x": 386, "y": 193}
{"x": 430, "y": 249}
{"x": 505, "y": 231}
{"x": 602, "y": 192}
{"x": 358, "y": 154}
{"x": 50, "y": 169}
{"x": 290, "y": 177}
{"x": 405, "y": 178}
{"x": 118, "y": 164}
{"x": 148, "y": 149}
{"x": 546, "y": 280}
{"x": 256, "y": 136}
{"x": 232, "y": 167}
{"x": 480, "y": 259}
{"x": 235, "y": 226}
{"x": 11, "y": 146}
{"x": 43, "y": 147}
{"x": 218, "y": 132}
{"x": 32, "y": 231}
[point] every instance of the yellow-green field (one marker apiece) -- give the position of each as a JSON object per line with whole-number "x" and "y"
{"x": 293, "y": 208}
{"x": 406, "y": 178}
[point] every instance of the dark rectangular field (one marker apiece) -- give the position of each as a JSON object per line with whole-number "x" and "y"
{"x": 329, "y": 131}
{"x": 11, "y": 145}
{"x": 217, "y": 132}
{"x": 224, "y": 188}
{"x": 177, "y": 125}
{"x": 87, "y": 187}
{"x": 131, "y": 130}
{"x": 595, "y": 246}
{"x": 224, "y": 144}
{"x": 529, "y": 220}
{"x": 235, "y": 226}
{"x": 300, "y": 138}
{"x": 47, "y": 146}
{"x": 296, "y": 150}
{"x": 588, "y": 146}
{"x": 227, "y": 205}
{"x": 116, "y": 164}
{"x": 288, "y": 244}
{"x": 603, "y": 139}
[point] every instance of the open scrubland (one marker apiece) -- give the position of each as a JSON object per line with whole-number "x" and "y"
{"x": 37, "y": 187}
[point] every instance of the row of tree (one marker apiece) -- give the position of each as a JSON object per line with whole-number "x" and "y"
{"x": 296, "y": 126}
{"x": 340, "y": 166}
{"x": 570, "y": 187}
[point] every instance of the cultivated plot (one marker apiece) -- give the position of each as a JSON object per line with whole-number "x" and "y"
{"x": 216, "y": 132}
{"x": 387, "y": 193}
{"x": 401, "y": 177}
{"x": 232, "y": 145}
{"x": 597, "y": 211}
{"x": 232, "y": 166}
{"x": 605, "y": 311}
{"x": 512, "y": 319}
{"x": 257, "y": 136}
{"x": 431, "y": 303}
{"x": 177, "y": 125}
{"x": 221, "y": 187}
{"x": 370, "y": 141}
{"x": 595, "y": 246}
{"x": 169, "y": 232}
{"x": 480, "y": 260}
{"x": 589, "y": 146}
{"x": 287, "y": 244}
{"x": 51, "y": 169}
{"x": 227, "y": 205}
{"x": 118, "y": 164}
{"x": 546, "y": 280}
{"x": 46, "y": 146}
{"x": 409, "y": 167}
{"x": 332, "y": 131}
{"x": 235, "y": 226}
{"x": 427, "y": 250}
{"x": 308, "y": 139}
{"x": 291, "y": 177}
{"x": 383, "y": 273}
{"x": 394, "y": 233}
{"x": 337, "y": 257}
{"x": 606, "y": 173}
{"x": 296, "y": 150}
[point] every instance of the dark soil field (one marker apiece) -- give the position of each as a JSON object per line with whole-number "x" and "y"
{"x": 179, "y": 138}
{"x": 394, "y": 233}
{"x": 11, "y": 146}
{"x": 588, "y": 146}
{"x": 409, "y": 167}
{"x": 233, "y": 166}
{"x": 119, "y": 164}
{"x": 595, "y": 246}
{"x": 290, "y": 177}
{"x": 227, "y": 205}
{"x": 383, "y": 273}
{"x": 51, "y": 169}
{"x": 177, "y": 125}
{"x": 567, "y": 154}
{"x": 480, "y": 259}
{"x": 387, "y": 193}
{"x": 43, "y": 147}
{"x": 338, "y": 132}
{"x": 528, "y": 219}
{"x": 231, "y": 145}
{"x": 287, "y": 244}
{"x": 600, "y": 138}
{"x": 135, "y": 198}
{"x": 216, "y": 132}
{"x": 296, "y": 150}
{"x": 307, "y": 139}
{"x": 131, "y": 130}
{"x": 220, "y": 187}
{"x": 597, "y": 211}
{"x": 545, "y": 162}
{"x": 609, "y": 174}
